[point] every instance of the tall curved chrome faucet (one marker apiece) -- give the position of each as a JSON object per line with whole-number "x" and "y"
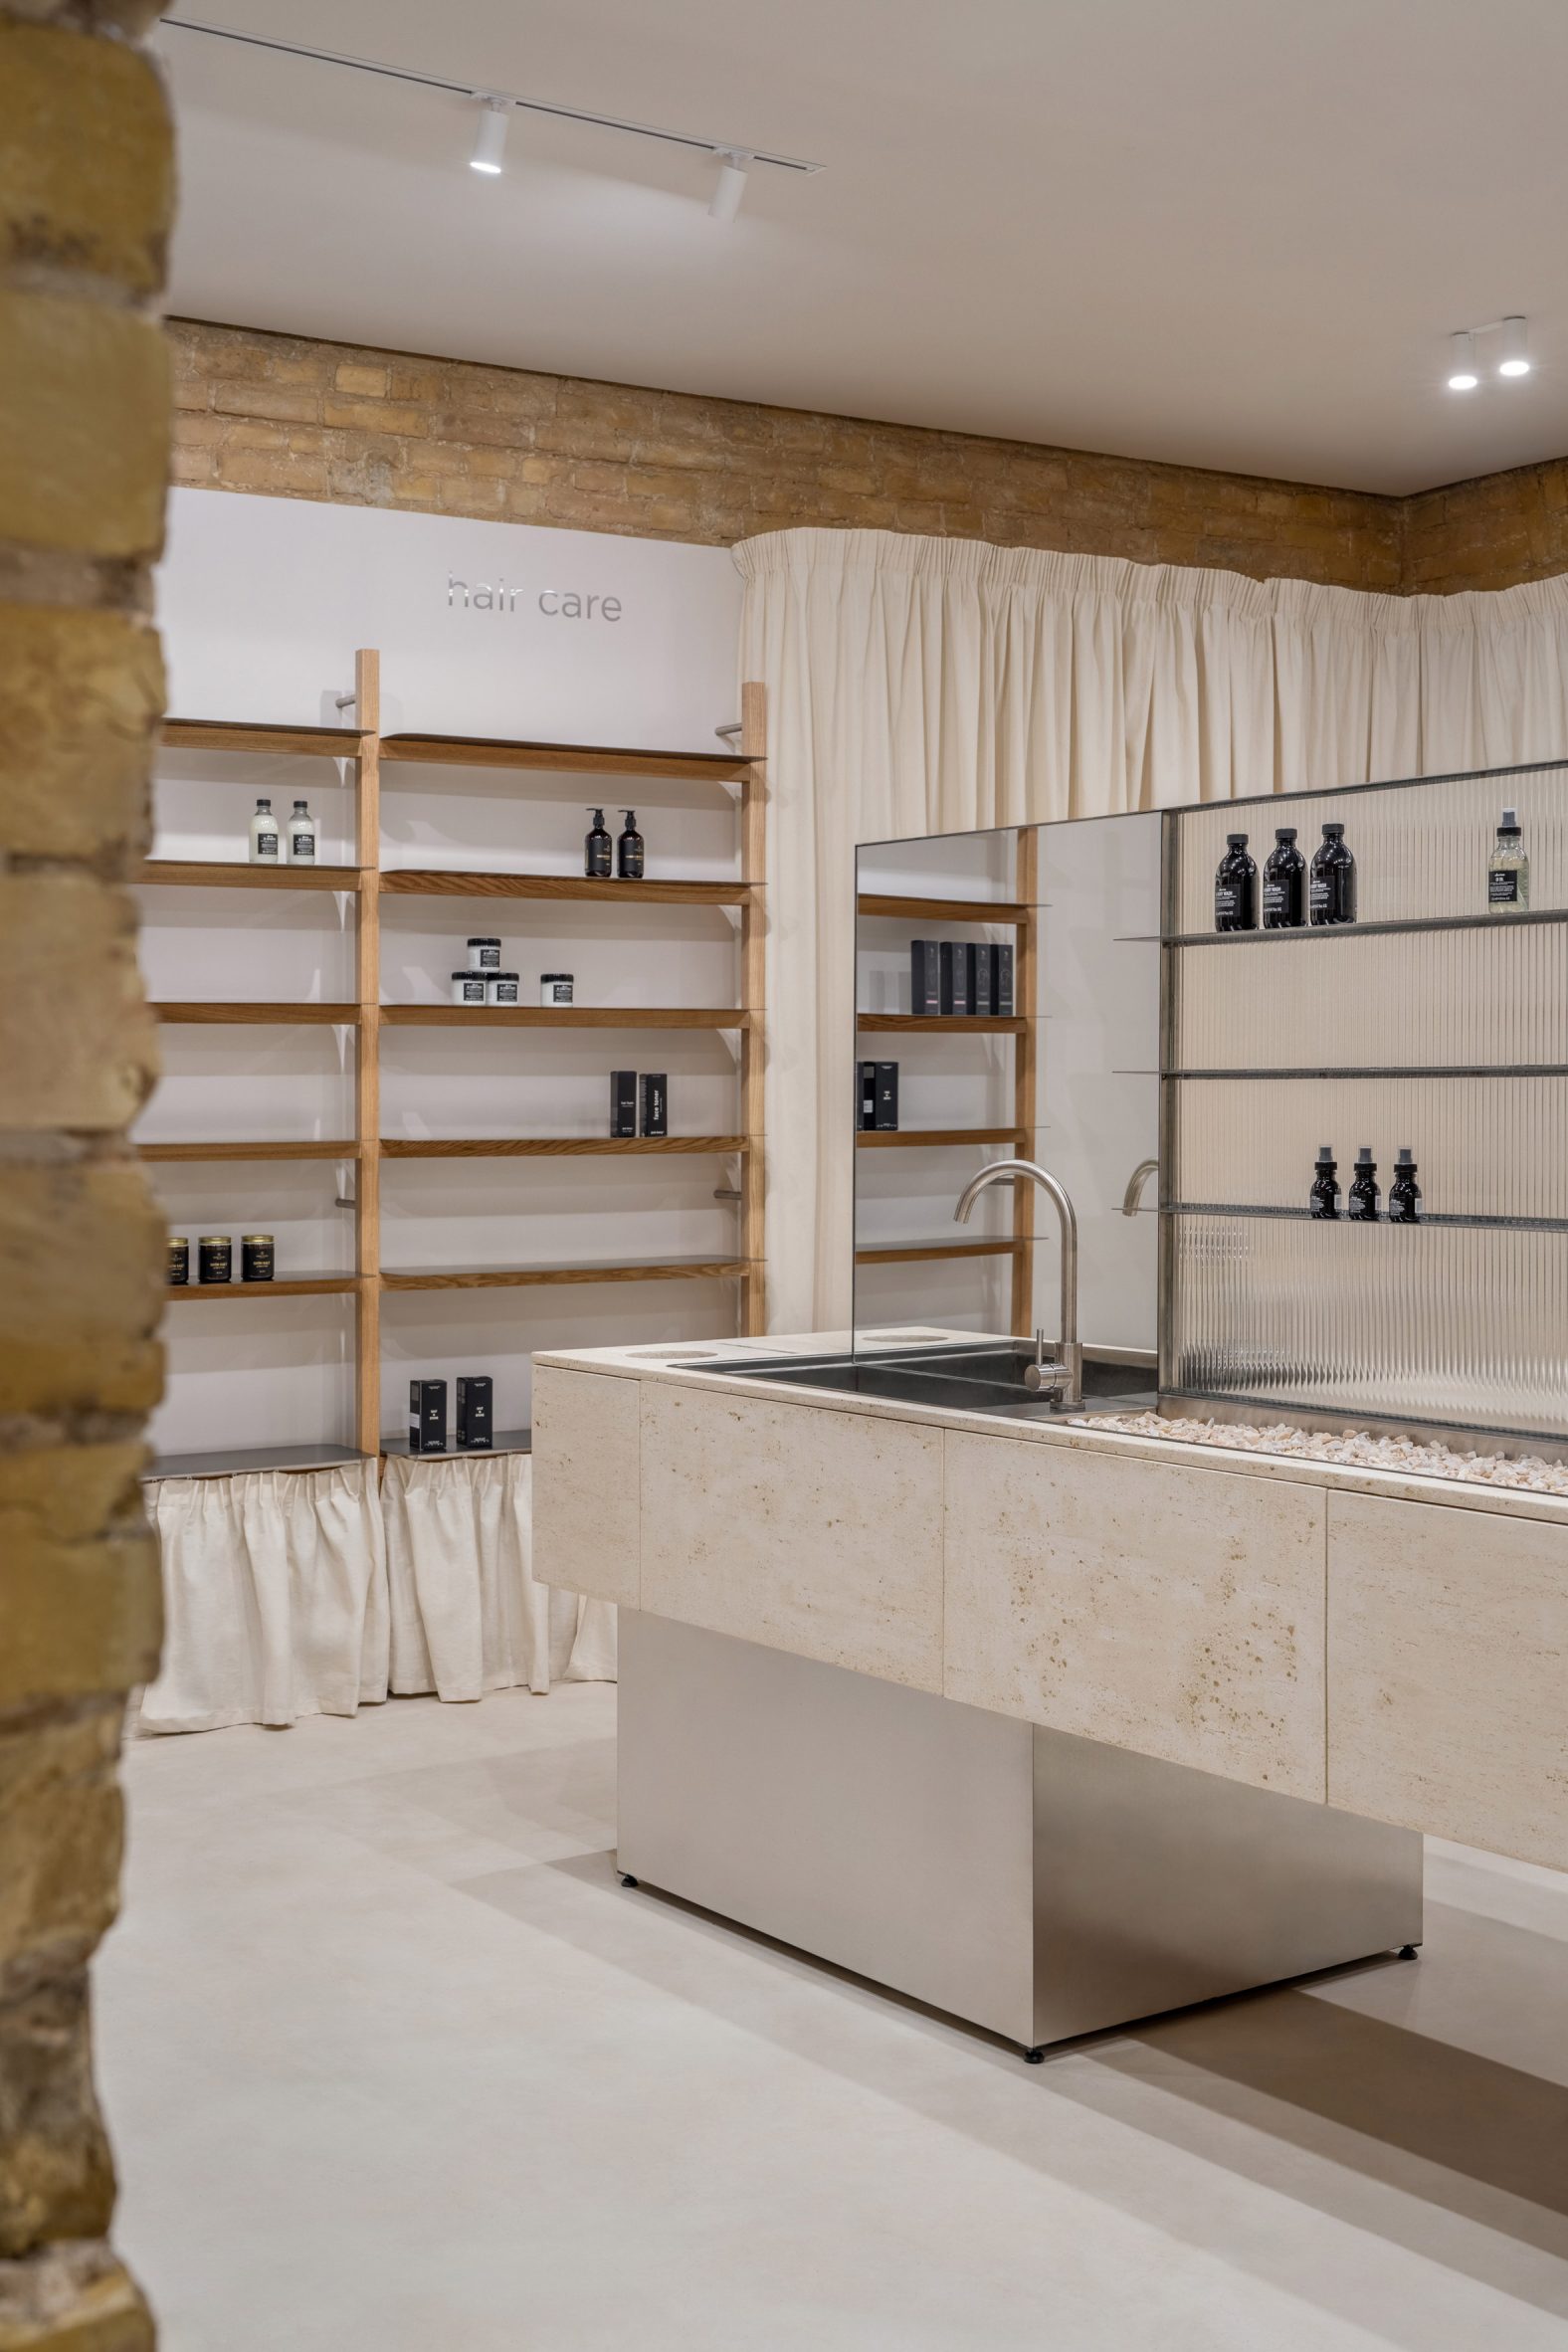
{"x": 1132, "y": 1199}
{"x": 1064, "y": 1375}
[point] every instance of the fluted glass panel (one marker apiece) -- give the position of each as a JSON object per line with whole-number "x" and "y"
{"x": 1484, "y": 1146}
{"x": 1439, "y": 1324}
{"x": 1421, "y": 849}
{"x": 1494, "y": 995}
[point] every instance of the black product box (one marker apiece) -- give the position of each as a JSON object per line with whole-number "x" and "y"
{"x": 865, "y": 1096}
{"x": 925, "y": 978}
{"x": 887, "y": 1107}
{"x": 623, "y": 1103}
{"x": 654, "y": 1090}
{"x": 981, "y": 968}
{"x": 475, "y": 1409}
{"x": 954, "y": 977}
{"x": 427, "y": 1417}
{"x": 1002, "y": 999}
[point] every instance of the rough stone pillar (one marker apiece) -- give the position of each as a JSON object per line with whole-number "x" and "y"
{"x": 85, "y": 198}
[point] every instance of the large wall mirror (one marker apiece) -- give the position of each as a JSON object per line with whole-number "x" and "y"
{"x": 1318, "y": 1164}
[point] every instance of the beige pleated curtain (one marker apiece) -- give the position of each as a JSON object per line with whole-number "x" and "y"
{"x": 930, "y": 685}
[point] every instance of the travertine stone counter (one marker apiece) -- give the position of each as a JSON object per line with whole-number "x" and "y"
{"x": 1392, "y": 1644}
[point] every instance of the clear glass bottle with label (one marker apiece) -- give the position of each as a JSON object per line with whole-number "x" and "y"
{"x": 1508, "y": 869}
{"x": 302, "y": 836}
{"x": 266, "y": 849}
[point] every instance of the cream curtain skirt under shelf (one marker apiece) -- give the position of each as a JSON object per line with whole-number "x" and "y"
{"x": 302, "y": 1593}
{"x": 934, "y": 685}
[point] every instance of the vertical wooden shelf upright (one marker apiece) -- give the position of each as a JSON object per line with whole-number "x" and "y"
{"x": 754, "y": 997}
{"x": 367, "y": 1057}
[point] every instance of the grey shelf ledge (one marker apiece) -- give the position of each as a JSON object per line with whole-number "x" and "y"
{"x": 1524, "y": 916}
{"x": 1427, "y": 1216}
{"x": 1396, "y": 1070}
{"x": 505, "y": 1441}
{"x": 234, "y": 1461}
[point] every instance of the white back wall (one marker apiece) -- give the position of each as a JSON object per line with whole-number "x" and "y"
{"x": 263, "y": 603}
{"x": 485, "y": 628}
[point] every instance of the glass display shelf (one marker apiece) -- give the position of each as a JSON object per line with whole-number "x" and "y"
{"x": 505, "y": 1441}
{"x": 1305, "y": 1217}
{"x": 232, "y": 1461}
{"x": 1522, "y": 918}
{"x": 1397, "y": 1069}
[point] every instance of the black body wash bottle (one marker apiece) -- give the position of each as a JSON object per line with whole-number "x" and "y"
{"x": 596, "y": 850}
{"x": 1364, "y": 1192}
{"x": 1331, "y": 890}
{"x": 1284, "y": 883}
{"x": 629, "y": 849}
{"x": 1404, "y": 1194}
{"x": 1236, "y": 887}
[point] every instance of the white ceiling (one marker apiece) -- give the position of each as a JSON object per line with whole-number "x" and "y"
{"x": 1228, "y": 233}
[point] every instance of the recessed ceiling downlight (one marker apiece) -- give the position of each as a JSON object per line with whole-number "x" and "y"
{"x": 490, "y": 143}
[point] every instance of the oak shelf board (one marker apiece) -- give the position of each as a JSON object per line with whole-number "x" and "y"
{"x": 917, "y": 1253}
{"x": 232, "y": 874}
{"x": 494, "y": 751}
{"x": 943, "y": 1024}
{"x": 566, "y": 1017}
{"x": 345, "y": 1150}
{"x": 253, "y": 1014}
{"x": 504, "y": 1441}
{"x": 413, "y": 881}
{"x": 949, "y": 910}
{"x": 306, "y": 1287}
{"x": 932, "y": 1138}
{"x": 241, "y": 734}
{"x": 234, "y": 1461}
{"x": 547, "y": 1147}
{"x": 508, "y": 1278}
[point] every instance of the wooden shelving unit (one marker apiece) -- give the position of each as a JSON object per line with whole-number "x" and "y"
{"x": 1020, "y": 914}
{"x": 364, "y": 750}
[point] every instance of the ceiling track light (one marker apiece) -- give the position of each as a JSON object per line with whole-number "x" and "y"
{"x": 490, "y": 141}
{"x": 501, "y": 104}
{"x": 1461, "y": 361}
{"x": 1514, "y": 351}
{"x": 731, "y": 185}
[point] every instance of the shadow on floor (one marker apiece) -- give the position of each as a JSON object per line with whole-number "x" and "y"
{"x": 1303, "y": 2088}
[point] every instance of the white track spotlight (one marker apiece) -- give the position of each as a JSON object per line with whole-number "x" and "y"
{"x": 489, "y": 144}
{"x": 1515, "y": 361}
{"x": 1462, "y": 362}
{"x": 731, "y": 185}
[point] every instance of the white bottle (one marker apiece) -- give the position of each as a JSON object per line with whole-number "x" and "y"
{"x": 302, "y": 836}
{"x": 263, "y": 835}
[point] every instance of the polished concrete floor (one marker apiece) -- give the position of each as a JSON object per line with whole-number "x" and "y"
{"x": 393, "y": 2060}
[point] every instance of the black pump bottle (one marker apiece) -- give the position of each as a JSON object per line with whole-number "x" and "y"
{"x": 1236, "y": 887}
{"x": 1324, "y": 1197}
{"x": 1404, "y": 1194}
{"x": 629, "y": 849}
{"x": 1331, "y": 888}
{"x": 1364, "y": 1193}
{"x": 596, "y": 850}
{"x": 1284, "y": 883}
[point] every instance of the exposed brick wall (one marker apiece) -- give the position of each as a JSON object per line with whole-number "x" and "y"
{"x": 1493, "y": 532}
{"x": 308, "y": 420}
{"x": 85, "y": 198}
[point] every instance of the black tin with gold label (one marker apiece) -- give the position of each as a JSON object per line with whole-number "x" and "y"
{"x": 215, "y": 1261}
{"x": 255, "y": 1258}
{"x": 179, "y": 1260}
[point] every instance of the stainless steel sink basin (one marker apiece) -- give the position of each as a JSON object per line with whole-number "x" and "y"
{"x": 979, "y": 1376}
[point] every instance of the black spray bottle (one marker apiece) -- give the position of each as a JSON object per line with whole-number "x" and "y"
{"x": 596, "y": 850}
{"x": 1404, "y": 1194}
{"x": 628, "y": 848}
{"x": 1364, "y": 1192}
{"x": 1236, "y": 887}
{"x": 1324, "y": 1197}
{"x": 1332, "y": 887}
{"x": 1284, "y": 883}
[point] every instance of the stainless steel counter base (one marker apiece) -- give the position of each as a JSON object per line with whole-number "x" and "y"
{"x": 1032, "y": 1883}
